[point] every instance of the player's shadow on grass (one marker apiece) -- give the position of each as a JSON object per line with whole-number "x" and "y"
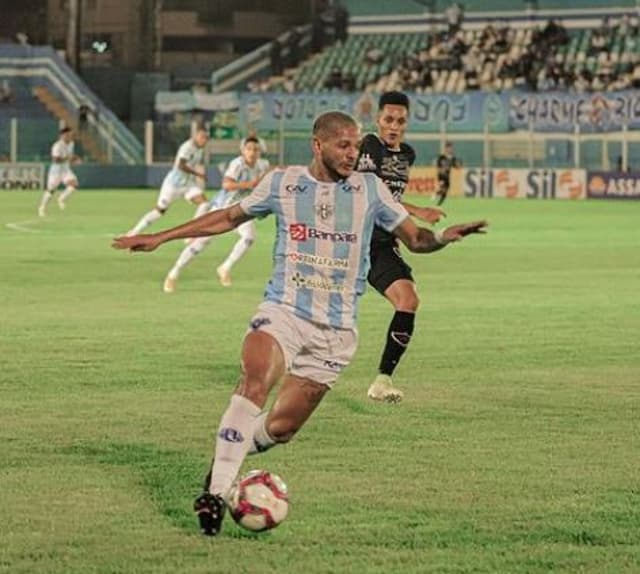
{"x": 171, "y": 478}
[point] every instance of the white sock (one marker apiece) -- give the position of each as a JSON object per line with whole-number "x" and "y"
{"x": 67, "y": 192}
{"x": 232, "y": 443}
{"x": 188, "y": 253}
{"x": 201, "y": 209}
{"x": 239, "y": 249}
{"x": 146, "y": 220}
{"x": 46, "y": 198}
{"x": 261, "y": 439}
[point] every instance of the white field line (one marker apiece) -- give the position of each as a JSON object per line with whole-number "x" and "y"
{"x": 24, "y": 227}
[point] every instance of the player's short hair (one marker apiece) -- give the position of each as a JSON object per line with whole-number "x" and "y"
{"x": 201, "y": 128}
{"x": 250, "y": 139}
{"x": 393, "y": 99}
{"x": 329, "y": 122}
{"x": 65, "y": 130}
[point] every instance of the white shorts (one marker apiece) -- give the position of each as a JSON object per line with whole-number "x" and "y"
{"x": 313, "y": 351}
{"x": 247, "y": 230}
{"x": 56, "y": 177}
{"x": 170, "y": 193}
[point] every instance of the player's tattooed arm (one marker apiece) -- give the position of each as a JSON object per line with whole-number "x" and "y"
{"x": 428, "y": 214}
{"x": 422, "y": 240}
{"x": 212, "y": 223}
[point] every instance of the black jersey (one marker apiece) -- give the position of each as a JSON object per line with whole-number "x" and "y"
{"x": 391, "y": 166}
{"x": 444, "y": 164}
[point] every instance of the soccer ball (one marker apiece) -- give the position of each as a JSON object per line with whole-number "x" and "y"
{"x": 259, "y": 500}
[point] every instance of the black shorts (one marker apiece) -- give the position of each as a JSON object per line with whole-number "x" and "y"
{"x": 387, "y": 266}
{"x": 443, "y": 181}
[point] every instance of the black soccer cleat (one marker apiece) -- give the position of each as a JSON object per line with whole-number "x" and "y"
{"x": 210, "y": 509}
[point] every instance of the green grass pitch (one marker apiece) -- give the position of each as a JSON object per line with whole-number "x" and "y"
{"x": 516, "y": 449}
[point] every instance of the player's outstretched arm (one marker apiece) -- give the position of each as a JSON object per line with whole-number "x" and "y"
{"x": 212, "y": 223}
{"x": 421, "y": 240}
{"x": 428, "y": 214}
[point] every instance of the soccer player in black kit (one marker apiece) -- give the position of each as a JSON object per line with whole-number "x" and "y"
{"x": 446, "y": 160}
{"x": 389, "y": 157}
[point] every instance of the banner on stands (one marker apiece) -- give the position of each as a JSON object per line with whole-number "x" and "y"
{"x": 428, "y": 113}
{"x": 613, "y": 185}
{"x": 562, "y": 112}
{"x": 525, "y": 183}
{"x": 424, "y": 181}
{"x": 170, "y": 102}
{"x": 18, "y": 176}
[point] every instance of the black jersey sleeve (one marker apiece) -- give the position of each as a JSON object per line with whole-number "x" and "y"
{"x": 409, "y": 152}
{"x": 371, "y": 151}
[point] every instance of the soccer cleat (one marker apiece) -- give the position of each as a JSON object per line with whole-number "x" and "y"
{"x": 224, "y": 276}
{"x": 61, "y": 204}
{"x": 210, "y": 509}
{"x": 382, "y": 389}
{"x": 41, "y": 212}
{"x": 169, "y": 285}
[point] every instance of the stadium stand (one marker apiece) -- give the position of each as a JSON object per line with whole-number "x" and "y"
{"x": 496, "y": 57}
{"x": 46, "y": 86}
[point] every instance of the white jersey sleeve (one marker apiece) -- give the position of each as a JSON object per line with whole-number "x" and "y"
{"x": 234, "y": 169}
{"x": 260, "y": 202}
{"x": 389, "y": 213}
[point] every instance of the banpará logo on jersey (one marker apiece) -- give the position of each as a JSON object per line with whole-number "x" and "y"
{"x": 303, "y": 232}
{"x": 296, "y": 188}
{"x": 320, "y": 261}
{"x": 319, "y": 283}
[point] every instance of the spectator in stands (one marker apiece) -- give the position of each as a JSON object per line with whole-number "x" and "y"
{"x": 334, "y": 80}
{"x": 341, "y": 22}
{"x": 275, "y": 56}
{"x": 83, "y": 116}
{"x": 318, "y": 37}
{"x": 374, "y": 55}
{"x": 454, "y": 15}
{"x": 6, "y": 93}
{"x": 582, "y": 83}
{"x": 293, "y": 44}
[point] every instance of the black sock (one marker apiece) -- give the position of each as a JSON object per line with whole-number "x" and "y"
{"x": 398, "y": 337}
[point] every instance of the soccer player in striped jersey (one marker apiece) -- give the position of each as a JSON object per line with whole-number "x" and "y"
{"x": 304, "y": 332}
{"x": 181, "y": 181}
{"x": 60, "y": 171}
{"x": 241, "y": 176}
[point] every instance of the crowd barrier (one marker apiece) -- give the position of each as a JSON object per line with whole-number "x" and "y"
{"x": 464, "y": 182}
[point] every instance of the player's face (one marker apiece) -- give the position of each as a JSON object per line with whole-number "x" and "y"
{"x": 67, "y": 137}
{"x": 338, "y": 151}
{"x": 201, "y": 138}
{"x": 392, "y": 123}
{"x": 251, "y": 153}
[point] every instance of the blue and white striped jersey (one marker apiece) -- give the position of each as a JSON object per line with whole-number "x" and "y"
{"x": 194, "y": 156}
{"x": 323, "y": 233}
{"x": 239, "y": 171}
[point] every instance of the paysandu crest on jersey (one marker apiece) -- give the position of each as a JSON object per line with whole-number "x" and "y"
{"x": 324, "y": 210}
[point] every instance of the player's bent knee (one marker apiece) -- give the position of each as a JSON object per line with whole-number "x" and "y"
{"x": 282, "y": 431}
{"x": 408, "y": 303}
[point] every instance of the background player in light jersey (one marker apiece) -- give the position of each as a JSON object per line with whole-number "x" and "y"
{"x": 181, "y": 181}
{"x": 305, "y": 330}
{"x": 60, "y": 172}
{"x": 241, "y": 176}
{"x": 390, "y": 158}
